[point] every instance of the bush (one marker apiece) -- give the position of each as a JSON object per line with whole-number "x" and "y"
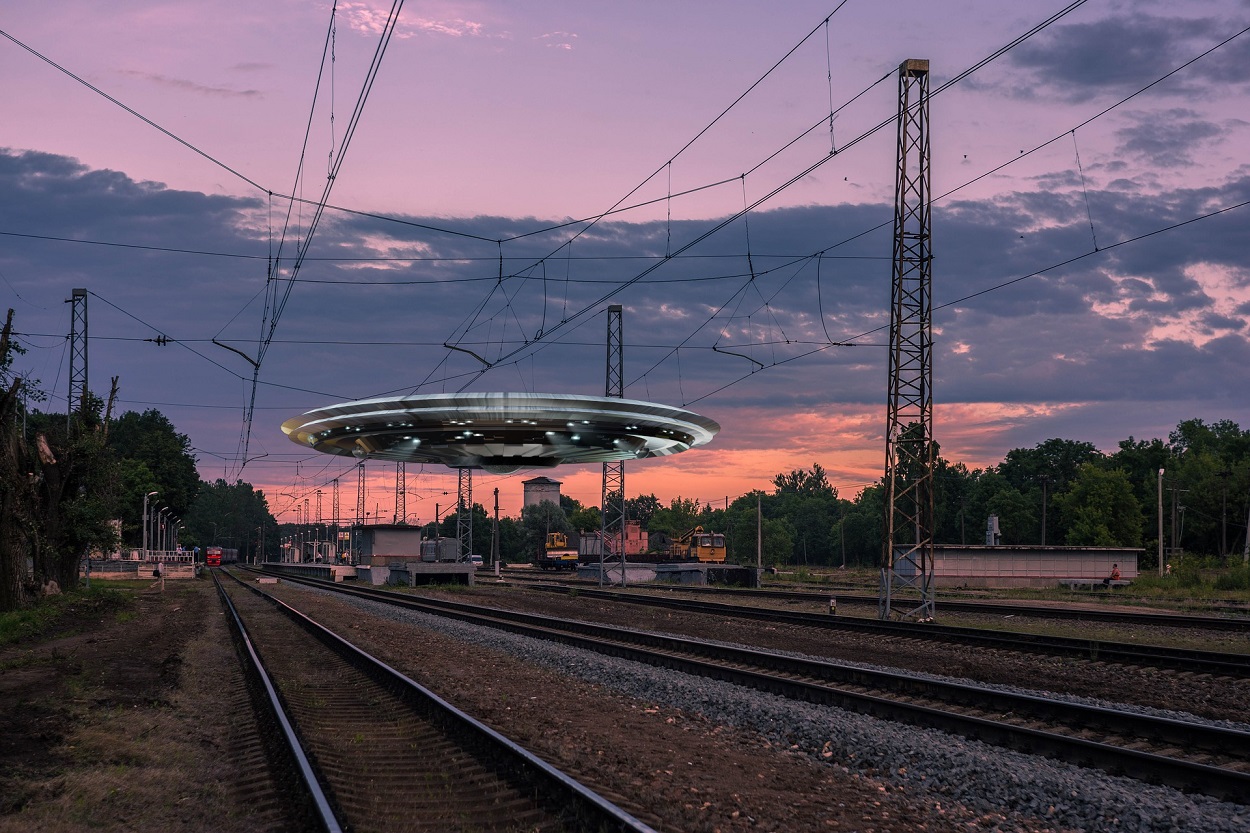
{"x": 1187, "y": 573}
{"x": 1238, "y": 578}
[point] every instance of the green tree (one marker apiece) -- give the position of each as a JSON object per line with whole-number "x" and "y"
{"x": 511, "y": 540}
{"x": 744, "y": 531}
{"x": 862, "y": 526}
{"x": 806, "y": 500}
{"x": 953, "y": 485}
{"x": 1017, "y": 517}
{"x": 150, "y": 438}
{"x": 586, "y": 518}
{"x": 74, "y": 492}
{"x": 1100, "y": 510}
{"x": 642, "y": 509}
{"x": 681, "y": 515}
{"x": 813, "y": 482}
{"x": 134, "y": 480}
{"x": 538, "y": 520}
{"x": 233, "y": 515}
{"x": 58, "y": 486}
{"x": 1210, "y": 471}
{"x": 1055, "y": 458}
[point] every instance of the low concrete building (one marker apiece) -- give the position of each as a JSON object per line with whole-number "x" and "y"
{"x": 393, "y": 553}
{"x": 956, "y": 565}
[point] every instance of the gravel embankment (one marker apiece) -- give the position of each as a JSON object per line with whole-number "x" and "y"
{"x": 954, "y": 770}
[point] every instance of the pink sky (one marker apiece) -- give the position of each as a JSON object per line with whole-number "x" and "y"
{"x": 495, "y": 120}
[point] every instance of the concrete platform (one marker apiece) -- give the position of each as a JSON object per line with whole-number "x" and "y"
{"x": 325, "y": 572}
{"x": 694, "y": 574}
{"x": 416, "y": 573}
{"x": 1092, "y": 583}
{"x": 114, "y": 570}
{"x": 634, "y": 573}
{"x": 373, "y": 575}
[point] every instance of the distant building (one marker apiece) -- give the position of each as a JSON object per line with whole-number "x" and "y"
{"x": 538, "y": 489}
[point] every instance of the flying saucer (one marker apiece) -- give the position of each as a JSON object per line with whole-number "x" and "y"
{"x": 500, "y": 432}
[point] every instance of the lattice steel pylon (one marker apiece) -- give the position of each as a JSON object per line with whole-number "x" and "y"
{"x": 334, "y": 513}
{"x": 612, "y": 502}
{"x": 77, "y": 353}
{"x": 464, "y": 512}
{"x": 907, "y": 544}
{"x": 358, "y": 531}
{"x": 401, "y": 493}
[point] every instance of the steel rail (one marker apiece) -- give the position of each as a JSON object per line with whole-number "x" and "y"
{"x": 591, "y": 810}
{"x": 772, "y": 673}
{"x": 310, "y": 785}
{"x": 1172, "y": 620}
{"x": 1157, "y": 656}
{"x": 1175, "y": 620}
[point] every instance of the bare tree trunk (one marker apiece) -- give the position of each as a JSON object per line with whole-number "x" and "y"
{"x": 13, "y": 549}
{"x": 14, "y": 487}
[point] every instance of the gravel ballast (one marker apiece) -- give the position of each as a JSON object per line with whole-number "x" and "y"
{"x": 984, "y": 778}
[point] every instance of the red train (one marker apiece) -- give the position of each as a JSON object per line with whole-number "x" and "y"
{"x": 216, "y": 556}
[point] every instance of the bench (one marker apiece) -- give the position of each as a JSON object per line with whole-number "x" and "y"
{"x": 1092, "y": 583}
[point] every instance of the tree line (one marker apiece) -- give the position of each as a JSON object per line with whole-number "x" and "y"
{"x": 1060, "y": 492}
{"x": 74, "y": 483}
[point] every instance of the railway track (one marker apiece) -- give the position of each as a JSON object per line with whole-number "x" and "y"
{"x": 1233, "y": 622}
{"x": 1187, "y": 755}
{"x": 1150, "y": 656}
{"x": 374, "y": 750}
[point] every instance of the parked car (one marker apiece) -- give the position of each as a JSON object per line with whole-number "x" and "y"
{"x": 476, "y": 561}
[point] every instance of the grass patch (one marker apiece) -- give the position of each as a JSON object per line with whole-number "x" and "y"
{"x": 62, "y": 614}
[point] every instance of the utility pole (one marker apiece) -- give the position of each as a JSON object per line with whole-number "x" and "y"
{"x": 907, "y": 557}
{"x": 1160, "y": 512}
{"x": 319, "y": 529}
{"x": 494, "y": 536}
{"x": 358, "y": 530}
{"x": 759, "y": 541}
{"x": 145, "y": 523}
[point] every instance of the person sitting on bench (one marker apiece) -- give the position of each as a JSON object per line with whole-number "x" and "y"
{"x": 1115, "y": 575}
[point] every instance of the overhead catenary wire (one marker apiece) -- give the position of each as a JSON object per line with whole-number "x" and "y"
{"x": 790, "y": 181}
{"x": 667, "y": 165}
{"x": 134, "y": 112}
{"x": 952, "y": 302}
{"x": 280, "y": 299}
{"x": 1158, "y": 80}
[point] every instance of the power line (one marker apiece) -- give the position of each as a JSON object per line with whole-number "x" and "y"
{"x": 272, "y": 314}
{"x": 133, "y": 112}
{"x": 752, "y": 205}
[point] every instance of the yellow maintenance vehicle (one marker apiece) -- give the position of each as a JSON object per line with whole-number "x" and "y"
{"x": 697, "y": 545}
{"x": 557, "y": 553}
